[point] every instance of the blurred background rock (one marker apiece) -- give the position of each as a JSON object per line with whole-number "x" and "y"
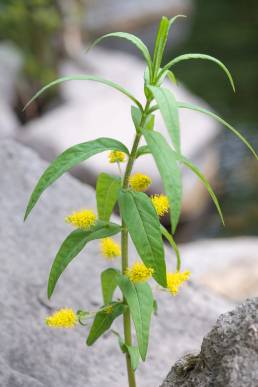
{"x": 43, "y": 39}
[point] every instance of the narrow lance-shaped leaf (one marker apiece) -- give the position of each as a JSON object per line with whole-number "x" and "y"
{"x": 109, "y": 283}
{"x": 85, "y": 77}
{"x": 171, "y": 76}
{"x": 107, "y": 190}
{"x": 160, "y": 43}
{"x": 169, "y": 237}
{"x": 169, "y": 170}
{"x": 185, "y": 105}
{"x": 73, "y": 245}
{"x": 67, "y": 160}
{"x": 206, "y": 183}
{"x": 144, "y": 228}
{"x": 134, "y": 356}
{"x": 137, "y": 116}
{"x": 131, "y": 38}
{"x": 200, "y": 56}
{"x": 133, "y": 351}
{"x": 103, "y": 321}
{"x": 144, "y": 150}
{"x": 161, "y": 40}
{"x": 140, "y": 301}
{"x": 169, "y": 111}
{"x": 172, "y": 21}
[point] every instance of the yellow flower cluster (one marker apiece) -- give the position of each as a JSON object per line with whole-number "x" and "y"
{"x": 83, "y": 219}
{"x": 139, "y": 182}
{"x": 64, "y": 318}
{"x": 161, "y": 204}
{"x": 109, "y": 248}
{"x": 139, "y": 272}
{"x": 116, "y": 157}
{"x": 175, "y": 280}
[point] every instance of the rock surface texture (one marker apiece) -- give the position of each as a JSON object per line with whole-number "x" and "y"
{"x": 228, "y": 266}
{"x": 31, "y": 354}
{"x": 229, "y": 353}
{"x": 10, "y": 66}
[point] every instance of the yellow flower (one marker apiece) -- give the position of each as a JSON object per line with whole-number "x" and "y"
{"x": 175, "y": 280}
{"x": 116, "y": 157}
{"x": 109, "y": 248}
{"x": 63, "y": 318}
{"x": 83, "y": 219}
{"x": 161, "y": 204}
{"x": 139, "y": 182}
{"x": 139, "y": 272}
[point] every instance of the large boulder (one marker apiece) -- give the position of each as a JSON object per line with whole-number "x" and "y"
{"x": 91, "y": 110}
{"x": 133, "y": 15}
{"x": 10, "y": 67}
{"x": 33, "y": 355}
{"x": 229, "y": 353}
{"x": 11, "y": 62}
{"x": 228, "y": 266}
{"x": 8, "y": 120}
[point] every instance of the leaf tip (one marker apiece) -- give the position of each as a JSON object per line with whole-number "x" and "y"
{"x": 49, "y": 294}
{"x": 27, "y": 212}
{"x": 233, "y": 86}
{"x": 50, "y": 289}
{"x": 26, "y": 105}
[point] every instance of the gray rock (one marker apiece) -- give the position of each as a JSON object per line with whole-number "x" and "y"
{"x": 229, "y": 353}
{"x": 31, "y": 353}
{"x": 10, "y": 66}
{"x": 229, "y": 266}
{"x": 11, "y": 62}
{"x": 113, "y": 16}
{"x": 8, "y": 120}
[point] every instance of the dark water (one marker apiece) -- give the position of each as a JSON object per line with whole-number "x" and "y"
{"x": 229, "y": 31}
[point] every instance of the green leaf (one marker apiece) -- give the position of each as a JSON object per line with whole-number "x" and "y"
{"x": 142, "y": 150}
{"x": 207, "y": 185}
{"x": 109, "y": 284}
{"x": 120, "y": 341}
{"x": 160, "y": 43}
{"x": 84, "y": 77}
{"x": 144, "y": 228}
{"x": 161, "y": 40}
{"x": 74, "y": 244}
{"x": 134, "y": 356}
{"x": 107, "y": 190}
{"x": 133, "y": 39}
{"x": 133, "y": 351}
{"x": 200, "y": 56}
{"x": 136, "y": 117}
{"x": 150, "y": 121}
{"x": 155, "y": 307}
{"x": 169, "y": 111}
{"x": 216, "y": 117}
{"x": 140, "y": 301}
{"x": 67, "y": 160}
{"x": 169, "y": 237}
{"x": 169, "y": 170}
{"x": 171, "y": 21}
{"x": 103, "y": 321}
{"x": 171, "y": 76}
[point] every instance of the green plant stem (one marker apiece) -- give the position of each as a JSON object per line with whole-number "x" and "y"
{"x": 124, "y": 247}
